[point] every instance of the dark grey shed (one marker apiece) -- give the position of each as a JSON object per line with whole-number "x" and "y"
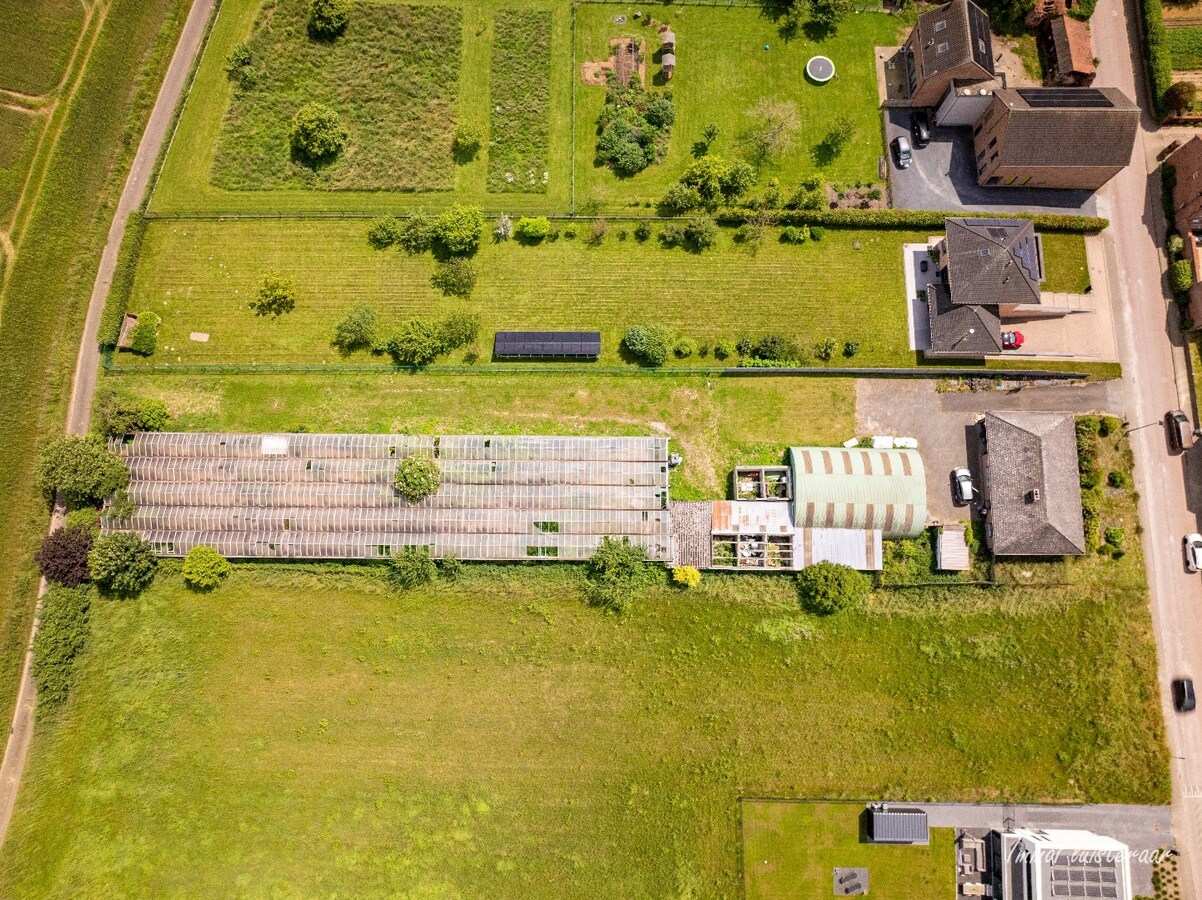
{"x": 897, "y": 825}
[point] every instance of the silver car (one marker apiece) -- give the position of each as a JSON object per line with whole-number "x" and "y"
{"x": 962, "y": 487}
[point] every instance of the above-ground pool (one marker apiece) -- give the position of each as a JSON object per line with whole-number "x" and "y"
{"x": 820, "y": 69}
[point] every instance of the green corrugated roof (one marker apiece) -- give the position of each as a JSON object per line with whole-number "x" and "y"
{"x": 859, "y": 488}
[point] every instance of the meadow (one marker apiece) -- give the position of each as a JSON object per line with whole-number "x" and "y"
{"x": 19, "y": 133}
{"x": 38, "y": 37}
{"x": 312, "y": 731}
{"x": 519, "y": 143}
{"x": 392, "y": 77}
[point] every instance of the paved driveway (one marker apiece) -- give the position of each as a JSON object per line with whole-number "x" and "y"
{"x": 945, "y": 424}
{"x": 943, "y": 177}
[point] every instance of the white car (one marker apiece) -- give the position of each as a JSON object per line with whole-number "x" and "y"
{"x": 962, "y": 489}
{"x": 1193, "y": 551}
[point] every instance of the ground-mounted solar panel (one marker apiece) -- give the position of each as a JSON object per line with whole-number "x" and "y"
{"x": 582, "y": 345}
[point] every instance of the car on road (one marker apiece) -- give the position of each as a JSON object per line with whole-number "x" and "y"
{"x": 920, "y": 127}
{"x": 902, "y": 154}
{"x": 1192, "y": 545}
{"x": 1183, "y": 695}
{"x": 1179, "y": 430}
{"x": 962, "y": 487}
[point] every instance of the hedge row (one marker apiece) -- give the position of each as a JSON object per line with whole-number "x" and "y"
{"x": 1160, "y": 61}
{"x": 901, "y": 218}
{"x": 123, "y": 280}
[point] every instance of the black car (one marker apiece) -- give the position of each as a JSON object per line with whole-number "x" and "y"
{"x": 1183, "y": 695}
{"x": 920, "y": 127}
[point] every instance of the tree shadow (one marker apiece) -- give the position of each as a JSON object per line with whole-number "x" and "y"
{"x": 819, "y": 31}
{"x": 700, "y": 149}
{"x": 824, "y": 154}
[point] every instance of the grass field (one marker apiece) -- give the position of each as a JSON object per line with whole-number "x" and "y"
{"x": 392, "y": 77}
{"x": 791, "y": 849}
{"x": 1067, "y": 269}
{"x": 1185, "y": 47}
{"x": 19, "y": 132}
{"x": 309, "y": 734}
{"x": 37, "y": 37}
{"x": 722, "y": 71}
{"x": 519, "y": 144}
{"x": 715, "y": 423}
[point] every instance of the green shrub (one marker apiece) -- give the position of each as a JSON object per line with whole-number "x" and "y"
{"x": 533, "y": 230}
{"x": 144, "y": 336}
{"x": 63, "y": 556}
{"x": 450, "y": 568}
{"x": 417, "y": 477}
{"x": 239, "y": 67}
{"x": 686, "y": 577}
{"x": 826, "y": 587}
{"x": 460, "y": 329}
{"x": 122, "y": 563}
{"x": 633, "y": 127}
{"x": 649, "y": 344}
{"x": 384, "y": 232}
{"x": 1119, "y": 480}
{"x": 328, "y": 18}
{"x": 1115, "y": 537}
{"x": 205, "y": 568}
{"x": 616, "y": 571}
{"x": 706, "y": 176}
{"x": 792, "y": 234}
{"x": 412, "y": 567}
{"x": 816, "y": 232}
{"x": 467, "y": 141}
{"x": 1181, "y": 276}
{"x": 851, "y": 348}
{"x": 318, "y": 135}
{"x": 85, "y": 517}
{"x": 455, "y": 277}
{"x": 358, "y": 329}
{"x": 62, "y": 635}
{"x": 570, "y": 232}
{"x": 680, "y": 198}
{"x": 825, "y": 349}
{"x": 1108, "y": 425}
{"x": 684, "y": 348}
{"x": 724, "y": 349}
{"x": 459, "y": 229}
{"x": 416, "y": 233}
{"x": 1091, "y": 477}
{"x": 890, "y": 218}
{"x": 642, "y": 231}
{"x": 80, "y": 468}
{"x": 417, "y": 342}
{"x": 701, "y": 233}
{"x": 277, "y": 295}
{"x": 1159, "y": 57}
{"x": 774, "y": 347}
{"x": 114, "y": 415}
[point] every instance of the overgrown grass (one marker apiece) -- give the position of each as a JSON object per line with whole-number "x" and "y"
{"x": 51, "y": 280}
{"x": 61, "y": 637}
{"x": 1185, "y": 47}
{"x": 37, "y": 37}
{"x": 392, "y": 77}
{"x": 506, "y": 738}
{"x": 520, "y": 96}
{"x": 714, "y": 423}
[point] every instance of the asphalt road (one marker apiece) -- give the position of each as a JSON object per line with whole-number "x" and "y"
{"x": 87, "y": 363}
{"x": 1153, "y": 383}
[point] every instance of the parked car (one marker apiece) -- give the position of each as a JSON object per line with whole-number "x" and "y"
{"x": 1192, "y": 545}
{"x": 1183, "y": 695}
{"x": 901, "y": 151}
{"x": 962, "y": 487}
{"x": 920, "y": 127}
{"x": 1179, "y": 429}
{"x": 1012, "y": 340}
{"x": 924, "y": 265}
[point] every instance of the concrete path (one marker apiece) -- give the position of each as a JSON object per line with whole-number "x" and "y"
{"x": 1145, "y": 829}
{"x": 87, "y": 363}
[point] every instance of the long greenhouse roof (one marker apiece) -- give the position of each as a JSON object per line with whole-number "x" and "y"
{"x": 330, "y": 496}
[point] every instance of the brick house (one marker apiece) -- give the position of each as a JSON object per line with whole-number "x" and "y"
{"x": 1064, "y": 137}
{"x": 949, "y": 43}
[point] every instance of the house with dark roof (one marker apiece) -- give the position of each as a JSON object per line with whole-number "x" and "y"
{"x": 1069, "y": 52}
{"x": 1061, "y": 137}
{"x": 949, "y": 43}
{"x": 1031, "y": 486}
{"x": 989, "y": 270}
{"x": 1186, "y": 161}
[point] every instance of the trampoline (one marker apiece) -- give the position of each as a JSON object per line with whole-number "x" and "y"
{"x": 820, "y": 69}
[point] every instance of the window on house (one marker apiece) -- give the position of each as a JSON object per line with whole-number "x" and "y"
{"x": 941, "y": 48}
{"x": 940, "y": 25}
{"x": 992, "y": 144}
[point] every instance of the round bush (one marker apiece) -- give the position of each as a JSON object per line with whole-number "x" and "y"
{"x": 684, "y": 348}
{"x": 205, "y": 568}
{"x": 418, "y": 342}
{"x": 122, "y": 563}
{"x": 277, "y": 295}
{"x": 459, "y": 229}
{"x": 686, "y": 577}
{"x": 417, "y": 477}
{"x": 413, "y": 567}
{"x": 145, "y": 335}
{"x": 63, "y": 556}
{"x": 533, "y": 229}
{"x": 649, "y": 344}
{"x": 467, "y": 141}
{"x": 826, "y": 587}
{"x": 358, "y": 329}
{"x": 80, "y": 468}
{"x": 317, "y": 133}
{"x": 328, "y": 18}
{"x": 1181, "y": 276}
{"x": 455, "y": 277}
{"x": 725, "y": 349}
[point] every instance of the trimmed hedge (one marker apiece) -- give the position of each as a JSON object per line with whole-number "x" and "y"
{"x": 1156, "y": 52}
{"x": 898, "y": 218}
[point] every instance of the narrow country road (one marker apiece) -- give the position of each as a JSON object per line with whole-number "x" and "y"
{"x": 1154, "y": 381}
{"x": 87, "y": 363}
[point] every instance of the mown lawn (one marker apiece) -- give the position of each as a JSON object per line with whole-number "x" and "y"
{"x": 1185, "y": 47}
{"x": 790, "y": 851}
{"x": 1064, "y": 257}
{"x": 37, "y": 37}
{"x": 199, "y": 275}
{"x": 722, "y": 71}
{"x": 715, "y": 423}
{"x": 19, "y": 132}
{"x": 392, "y": 77}
{"x": 318, "y": 733}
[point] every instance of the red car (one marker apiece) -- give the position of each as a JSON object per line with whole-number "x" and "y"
{"x": 1012, "y": 340}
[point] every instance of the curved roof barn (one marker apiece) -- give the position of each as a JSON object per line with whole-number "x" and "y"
{"x": 859, "y": 488}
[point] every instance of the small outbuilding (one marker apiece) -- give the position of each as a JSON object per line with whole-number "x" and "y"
{"x": 1070, "y": 53}
{"x": 668, "y": 64}
{"x": 897, "y": 825}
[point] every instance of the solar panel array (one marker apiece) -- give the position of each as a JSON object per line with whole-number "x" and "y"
{"x": 1065, "y": 98}
{"x": 981, "y": 38}
{"x": 1091, "y": 877}
{"x": 320, "y": 496}
{"x": 547, "y": 345}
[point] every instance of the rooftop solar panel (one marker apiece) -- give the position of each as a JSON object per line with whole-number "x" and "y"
{"x": 1065, "y": 98}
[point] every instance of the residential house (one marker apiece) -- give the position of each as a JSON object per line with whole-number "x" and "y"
{"x": 1031, "y": 486}
{"x": 1186, "y": 161}
{"x": 989, "y": 270}
{"x": 1069, "y": 52}
{"x": 1045, "y": 864}
{"x": 949, "y": 43}
{"x": 1063, "y": 137}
